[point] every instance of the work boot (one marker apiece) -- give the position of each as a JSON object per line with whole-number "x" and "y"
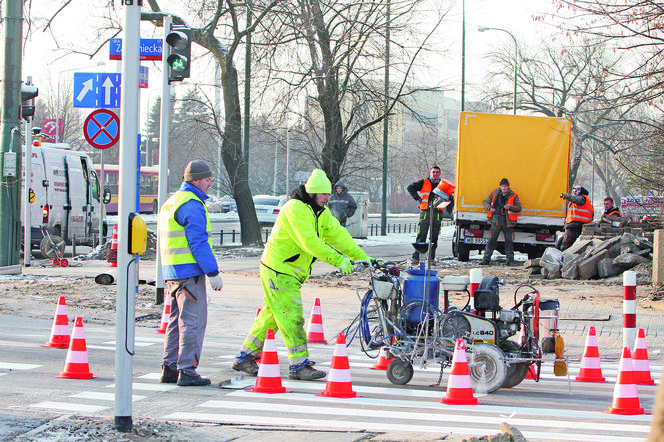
{"x": 192, "y": 381}
{"x": 306, "y": 373}
{"x": 250, "y": 367}
{"x": 168, "y": 375}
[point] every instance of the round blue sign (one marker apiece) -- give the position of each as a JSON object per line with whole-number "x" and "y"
{"x": 102, "y": 128}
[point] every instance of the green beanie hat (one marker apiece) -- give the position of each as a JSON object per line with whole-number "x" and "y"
{"x": 318, "y": 182}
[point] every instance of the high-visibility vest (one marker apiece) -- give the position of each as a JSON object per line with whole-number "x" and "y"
{"x": 174, "y": 246}
{"x": 613, "y": 211}
{"x": 424, "y": 194}
{"x": 584, "y": 214}
{"x": 510, "y": 215}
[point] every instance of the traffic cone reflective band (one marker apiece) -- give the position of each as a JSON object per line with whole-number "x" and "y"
{"x": 76, "y": 364}
{"x": 640, "y": 361}
{"x": 60, "y": 329}
{"x": 269, "y": 376}
{"x": 112, "y": 256}
{"x": 165, "y": 314}
{"x": 315, "y": 329}
{"x": 625, "y": 396}
{"x": 382, "y": 362}
{"x": 590, "y": 365}
{"x": 338, "y": 381}
{"x": 459, "y": 385}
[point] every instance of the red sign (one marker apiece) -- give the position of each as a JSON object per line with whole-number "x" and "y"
{"x": 102, "y": 128}
{"x": 48, "y": 127}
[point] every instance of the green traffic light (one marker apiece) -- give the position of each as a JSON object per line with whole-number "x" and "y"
{"x": 178, "y": 65}
{"x": 177, "y": 62}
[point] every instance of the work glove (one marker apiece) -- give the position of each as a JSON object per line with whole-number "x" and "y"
{"x": 565, "y": 196}
{"x": 373, "y": 261}
{"x": 216, "y": 282}
{"x": 346, "y": 266}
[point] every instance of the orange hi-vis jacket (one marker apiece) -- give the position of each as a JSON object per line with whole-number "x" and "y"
{"x": 583, "y": 214}
{"x": 510, "y": 215}
{"x": 426, "y": 191}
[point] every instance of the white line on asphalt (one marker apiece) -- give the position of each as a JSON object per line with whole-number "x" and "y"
{"x": 17, "y": 366}
{"x": 99, "y": 396}
{"x": 149, "y": 387}
{"x": 64, "y": 406}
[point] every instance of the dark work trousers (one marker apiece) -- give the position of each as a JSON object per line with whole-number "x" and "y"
{"x": 186, "y": 326}
{"x": 572, "y": 232}
{"x": 423, "y": 231}
{"x": 499, "y": 224}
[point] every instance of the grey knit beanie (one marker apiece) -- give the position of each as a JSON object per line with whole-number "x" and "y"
{"x": 196, "y": 170}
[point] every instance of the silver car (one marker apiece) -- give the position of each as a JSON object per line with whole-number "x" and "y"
{"x": 267, "y": 208}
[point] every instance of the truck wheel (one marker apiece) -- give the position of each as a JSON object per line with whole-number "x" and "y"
{"x": 463, "y": 253}
{"x": 400, "y": 372}
{"x": 516, "y": 373}
{"x": 487, "y": 368}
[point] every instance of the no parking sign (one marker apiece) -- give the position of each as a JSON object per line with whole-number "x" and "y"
{"x": 102, "y": 128}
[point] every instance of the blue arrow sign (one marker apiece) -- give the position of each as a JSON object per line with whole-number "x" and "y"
{"x": 97, "y": 90}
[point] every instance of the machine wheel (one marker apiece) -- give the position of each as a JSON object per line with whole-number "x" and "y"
{"x": 516, "y": 373}
{"x": 48, "y": 248}
{"x": 400, "y": 372}
{"x": 487, "y": 367}
{"x": 64, "y": 263}
{"x": 455, "y": 326}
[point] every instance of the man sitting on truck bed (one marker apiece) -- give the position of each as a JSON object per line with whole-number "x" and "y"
{"x": 503, "y": 206}
{"x": 580, "y": 212}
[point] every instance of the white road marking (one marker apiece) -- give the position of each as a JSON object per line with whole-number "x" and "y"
{"x": 99, "y": 396}
{"x": 64, "y": 406}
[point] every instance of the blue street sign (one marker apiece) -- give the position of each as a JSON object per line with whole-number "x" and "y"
{"x": 97, "y": 90}
{"x": 150, "y": 49}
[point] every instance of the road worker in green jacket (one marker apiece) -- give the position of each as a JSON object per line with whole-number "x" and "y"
{"x": 305, "y": 231}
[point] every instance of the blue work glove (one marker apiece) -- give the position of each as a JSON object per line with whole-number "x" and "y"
{"x": 346, "y": 266}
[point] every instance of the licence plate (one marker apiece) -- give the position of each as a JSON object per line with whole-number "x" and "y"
{"x": 472, "y": 240}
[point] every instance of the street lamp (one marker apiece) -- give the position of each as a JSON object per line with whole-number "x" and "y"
{"x": 516, "y": 55}
{"x": 57, "y": 108}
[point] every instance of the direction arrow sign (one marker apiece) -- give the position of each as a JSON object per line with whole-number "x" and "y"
{"x": 150, "y": 49}
{"x": 97, "y": 90}
{"x": 102, "y": 128}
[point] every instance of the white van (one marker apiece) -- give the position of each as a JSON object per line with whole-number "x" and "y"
{"x": 66, "y": 194}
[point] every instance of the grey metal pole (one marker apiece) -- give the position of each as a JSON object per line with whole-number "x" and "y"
{"x": 27, "y": 183}
{"x": 165, "y": 117}
{"x": 247, "y": 93}
{"x": 516, "y": 56}
{"x": 288, "y": 161}
{"x": 217, "y": 107}
{"x": 127, "y": 262}
{"x": 102, "y": 206}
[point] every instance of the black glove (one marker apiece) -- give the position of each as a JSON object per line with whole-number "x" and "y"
{"x": 565, "y": 196}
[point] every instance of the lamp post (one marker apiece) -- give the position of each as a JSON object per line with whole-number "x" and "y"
{"x": 57, "y": 107}
{"x": 516, "y": 55}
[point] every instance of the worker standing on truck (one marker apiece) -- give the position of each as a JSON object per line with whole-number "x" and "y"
{"x": 187, "y": 257}
{"x": 580, "y": 212}
{"x": 503, "y": 206}
{"x": 421, "y": 192}
{"x": 304, "y": 232}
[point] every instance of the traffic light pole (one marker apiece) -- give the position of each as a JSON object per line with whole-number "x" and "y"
{"x": 10, "y": 135}
{"x": 163, "y": 153}
{"x": 27, "y": 183}
{"x": 127, "y": 263}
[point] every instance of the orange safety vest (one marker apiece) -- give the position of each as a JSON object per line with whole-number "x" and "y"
{"x": 613, "y": 212}
{"x": 511, "y": 216}
{"x": 584, "y": 214}
{"x": 424, "y": 194}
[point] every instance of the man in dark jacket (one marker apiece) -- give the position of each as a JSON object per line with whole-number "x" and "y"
{"x": 341, "y": 203}
{"x": 503, "y": 205}
{"x": 580, "y": 212}
{"x": 421, "y": 191}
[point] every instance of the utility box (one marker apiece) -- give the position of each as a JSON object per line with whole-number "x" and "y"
{"x": 358, "y": 224}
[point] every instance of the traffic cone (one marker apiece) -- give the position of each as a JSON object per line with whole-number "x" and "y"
{"x": 382, "y": 362}
{"x": 315, "y": 329}
{"x": 338, "y": 382}
{"x": 269, "y": 376}
{"x": 590, "y": 364}
{"x": 112, "y": 256}
{"x": 532, "y": 369}
{"x": 60, "y": 329}
{"x": 625, "y": 396}
{"x": 165, "y": 315}
{"x": 459, "y": 386}
{"x": 76, "y": 364}
{"x": 640, "y": 361}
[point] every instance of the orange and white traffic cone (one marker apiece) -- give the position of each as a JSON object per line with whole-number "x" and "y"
{"x": 625, "y": 396}
{"x": 339, "y": 383}
{"x": 60, "y": 329}
{"x": 591, "y": 371}
{"x": 165, "y": 315}
{"x": 112, "y": 256}
{"x": 382, "y": 362}
{"x": 640, "y": 361}
{"x": 459, "y": 385}
{"x": 269, "y": 376}
{"x": 76, "y": 364}
{"x": 315, "y": 333}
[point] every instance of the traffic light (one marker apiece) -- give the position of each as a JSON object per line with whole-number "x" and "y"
{"x": 28, "y": 93}
{"x": 179, "y": 58}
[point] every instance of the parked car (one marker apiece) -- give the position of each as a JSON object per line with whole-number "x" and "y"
{"x": 228, "y": 204}
{"x": 267, "y": 208}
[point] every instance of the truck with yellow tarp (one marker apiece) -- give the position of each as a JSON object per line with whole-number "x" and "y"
{"x": 533, "y": 154}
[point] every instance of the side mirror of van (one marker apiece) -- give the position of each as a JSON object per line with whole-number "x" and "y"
{"x": 107, "y": 196}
